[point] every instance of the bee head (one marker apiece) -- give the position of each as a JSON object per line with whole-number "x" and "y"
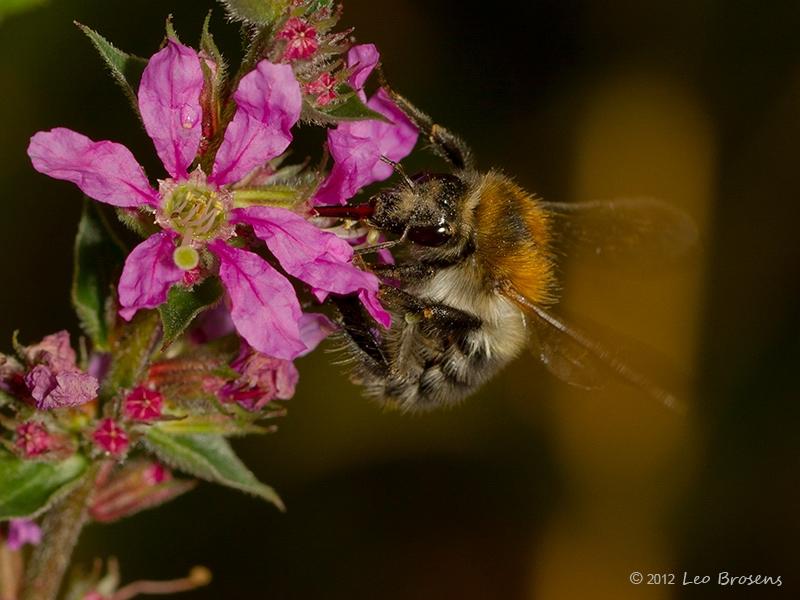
{"x": 427, "y": 209}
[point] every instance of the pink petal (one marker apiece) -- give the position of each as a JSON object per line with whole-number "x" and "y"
{"x": 357, "y": 148}
{"x": 314, "y": 328}
{"x": 169, "y": 100}
{"x": 369, "y": 299}
{"x": 40, "y": 381}
{"x": 105, "y": 171}
{"x": 264, "y": 306}
{"x": 362, "y": 59}
{"x": 262, "y": 378}
{"x": 73, "y": 389}
{"x": 268, "y": 104}
{"x": 56, "y": 390}
{"x": 54, "y": 350}
{"x": 148, "y": 274}
{"x": 319, "y": 258}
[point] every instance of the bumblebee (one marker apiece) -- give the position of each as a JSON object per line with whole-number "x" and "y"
{"x": 478, "y": 280}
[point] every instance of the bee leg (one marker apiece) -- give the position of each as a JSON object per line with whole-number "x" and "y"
{"x": 360, "y": 331}
{"x": 434, "y": 317}
{"x": 445, "y": 143}
{"x": 405, "y": 272}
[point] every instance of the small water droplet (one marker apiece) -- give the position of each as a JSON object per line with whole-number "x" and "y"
{"x": 189, "y": 116}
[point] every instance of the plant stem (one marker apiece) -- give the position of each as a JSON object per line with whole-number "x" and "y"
{"x": 61, "y": 527}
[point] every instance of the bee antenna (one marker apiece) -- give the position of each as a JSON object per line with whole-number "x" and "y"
{"x": 399, "y": 170}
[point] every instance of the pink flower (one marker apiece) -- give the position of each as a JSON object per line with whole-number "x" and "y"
{"x": 143, "y": 404}
{"x": 361, "y": 60}
{"x": 32, "y": 439}
{"x": 54, "y": 350}
{"x": 110, "y": 437}
{"x": 54, "y": 381}
{"x": 324, "y": 88}
{"x": 262, "y": 378}
{"x": 57, "y": 390}
{"x": 196, "y": 211}
{"x": 301, "y": 39}
{"x": 357, "y": 146}
{"x": 21, "y": 532}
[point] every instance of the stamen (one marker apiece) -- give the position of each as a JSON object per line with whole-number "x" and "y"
{"x": 196, "y": 211}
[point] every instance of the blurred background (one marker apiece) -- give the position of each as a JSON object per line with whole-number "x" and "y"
{"x": 530, "y": 489}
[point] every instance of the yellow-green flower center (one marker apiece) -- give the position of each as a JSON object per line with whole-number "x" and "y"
{"x": 195, "y": 211}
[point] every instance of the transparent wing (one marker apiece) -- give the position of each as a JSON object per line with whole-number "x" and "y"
{"x": 576, "y": 358}
{"x": 633, "y": 234}
{"x": 564, "y": 357}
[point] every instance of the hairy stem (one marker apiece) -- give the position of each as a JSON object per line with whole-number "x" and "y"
{"x": 61, "y": 527}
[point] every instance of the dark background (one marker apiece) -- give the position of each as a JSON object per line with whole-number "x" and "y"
{"x": 529, "y": 490}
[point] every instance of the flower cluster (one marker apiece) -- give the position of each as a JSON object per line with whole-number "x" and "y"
{"x": 241, "y": 276}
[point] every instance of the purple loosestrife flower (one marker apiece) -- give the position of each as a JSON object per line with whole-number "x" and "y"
{"x": 357, "y": 146}
{"x": 323, "y": 88}
{"x": 195, "y": 211}
{"x": 143, "y": 404}
{"x": 110, "y": 437}
{"x": 52, "y": 379}
{"x": 261, "y": 379}
{"x": 32, "y": 439}
{"x": 301, "y": 39}
{"x": 21, "y": 532}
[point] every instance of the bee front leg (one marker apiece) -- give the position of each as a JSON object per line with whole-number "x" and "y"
{"x": 445, "y": 143}
{"x": 405, "y": 272}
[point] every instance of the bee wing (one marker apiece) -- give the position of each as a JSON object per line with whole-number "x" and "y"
{"x": 627, "y": 233}
{"x": 578, "y": 359}
{"x": 565, "y": 358}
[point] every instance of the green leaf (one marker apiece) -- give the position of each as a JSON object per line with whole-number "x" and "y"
{"x": 98, "y": 257}
{"x": 183, "y": 305}
{"x": 170, "y": 29}
{"x": 126, "y": 68}
{"x": 259, "y": 12}
{"x": 209, "y": 46}
{"x": 28, "y": 488}
{"x": 353, "y": 109}
{"x": 208, "y": 457}
{"x": 349, "y": 108}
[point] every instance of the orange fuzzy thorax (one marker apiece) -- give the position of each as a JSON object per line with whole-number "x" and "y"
{"x": 513, "y": 240}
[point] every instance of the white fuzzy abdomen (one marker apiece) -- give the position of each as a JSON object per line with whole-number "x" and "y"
{"x": 503, "y": 334}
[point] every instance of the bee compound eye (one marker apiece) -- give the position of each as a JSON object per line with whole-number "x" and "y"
{"x": 430, "y": 235}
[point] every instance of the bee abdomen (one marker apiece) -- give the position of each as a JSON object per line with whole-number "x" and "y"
{"x": 427, "y": 379}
